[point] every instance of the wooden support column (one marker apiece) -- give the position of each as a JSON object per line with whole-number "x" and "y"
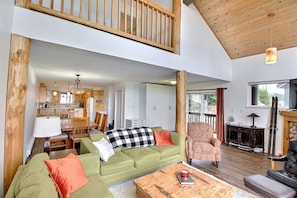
{"x": 176, "y": 26}
{"x": 181, "y": 95}
{"x": 15, "y": 106}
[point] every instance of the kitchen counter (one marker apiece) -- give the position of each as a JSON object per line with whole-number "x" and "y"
{"x": 58, "y": 111}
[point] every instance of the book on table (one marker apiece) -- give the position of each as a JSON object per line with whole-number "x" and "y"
{"x": 184, "y": 180}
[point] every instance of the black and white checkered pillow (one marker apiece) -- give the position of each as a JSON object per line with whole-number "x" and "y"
{"x": 131, "y": 137}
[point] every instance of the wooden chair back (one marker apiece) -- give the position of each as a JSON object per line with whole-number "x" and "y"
{"x": 102, "y": 126}
{"x": 98, "y": 119}
{"x": 81, "y": 129}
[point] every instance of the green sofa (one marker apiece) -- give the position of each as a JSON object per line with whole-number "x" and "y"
{"x": 128, "y": 163}
{"x": 33, "y": 181}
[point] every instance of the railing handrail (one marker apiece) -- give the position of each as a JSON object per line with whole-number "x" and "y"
{"x": 139, "y": 20}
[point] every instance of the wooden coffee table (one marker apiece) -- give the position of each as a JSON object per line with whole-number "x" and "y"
{"x": 164, "y": 183}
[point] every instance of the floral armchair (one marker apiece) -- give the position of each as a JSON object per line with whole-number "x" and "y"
{"x": 201, "y": 143}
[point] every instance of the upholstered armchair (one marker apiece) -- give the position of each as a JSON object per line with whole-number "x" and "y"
{"x": 201, "y": 143}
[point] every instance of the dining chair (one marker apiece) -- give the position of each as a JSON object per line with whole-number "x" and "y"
{"x": 103, "y": 124}
{"x": 81, "y": 130}
{"x": 59, "y": 142}
{"x": 98, "y": 119}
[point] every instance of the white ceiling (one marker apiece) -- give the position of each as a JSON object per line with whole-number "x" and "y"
{"x": 55, "y": 63}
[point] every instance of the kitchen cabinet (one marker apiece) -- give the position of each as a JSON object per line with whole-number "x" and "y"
{"x": 98, "y": 100}
{"x": 55, "y": 97}
{"x": 42, "y": 93}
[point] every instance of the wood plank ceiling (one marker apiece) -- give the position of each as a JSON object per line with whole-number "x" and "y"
{"x": 243, "y": 27}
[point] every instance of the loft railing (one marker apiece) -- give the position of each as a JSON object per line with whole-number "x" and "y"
{"x": 203, "y": 117}
{"x": 139, "y": 20}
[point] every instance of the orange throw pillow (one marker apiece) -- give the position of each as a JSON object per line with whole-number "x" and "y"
{"x": 67, "y": 174}
{"x": 163, "y": 138}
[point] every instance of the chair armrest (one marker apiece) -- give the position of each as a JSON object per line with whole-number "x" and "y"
{"x": 216, "y": 142}
{"x": 90, "y": 163}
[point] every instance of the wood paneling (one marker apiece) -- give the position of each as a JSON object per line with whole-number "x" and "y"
{"x": 243, "y": 27}
{"x": 15, "y": 106}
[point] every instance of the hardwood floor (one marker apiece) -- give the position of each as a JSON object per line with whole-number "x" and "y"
{"x": 236, "y": 164}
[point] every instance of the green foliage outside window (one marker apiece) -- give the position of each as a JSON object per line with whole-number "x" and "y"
{"x": 264, "y": 96}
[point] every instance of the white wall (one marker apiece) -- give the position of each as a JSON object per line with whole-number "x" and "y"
{"x": 197, "y": 44}
{"x": 31, "y": 112}
{"x": 253, "y": 69}
{"x": 201, "y": 53}
{"x": 6, "y": 18}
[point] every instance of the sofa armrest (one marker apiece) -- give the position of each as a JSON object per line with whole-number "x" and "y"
{"x": 177, "y": 138}
{"x": 90, "y": 163}
{"x": 86, "y": 146}
{"x": 216, "y": 142}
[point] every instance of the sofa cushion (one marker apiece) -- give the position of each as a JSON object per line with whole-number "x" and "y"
{"x": 33, "y": 180}
{"x": 143, "y": 156}
{"x": 36, "y": 185}
{"x": 116, "y": 163}
{"x": 166, "y": 151}
{"x": 67, "y": 173}
{"x": 131, "y": 137}
{"x": 95, "y": 188}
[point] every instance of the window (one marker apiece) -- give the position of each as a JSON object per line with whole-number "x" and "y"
{"x": 202, "y": 102}
{"x": 261, "y": 93}
{"x": 202, "y": 107}
{"x": 66, "y": 97}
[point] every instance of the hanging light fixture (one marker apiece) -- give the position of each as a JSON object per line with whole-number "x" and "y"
{"x": 271, "y": 52}
{"x": 55, "y": 93}
{"x": 77, "y": 90}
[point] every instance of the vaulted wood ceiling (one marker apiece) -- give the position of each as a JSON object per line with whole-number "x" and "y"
{"x": 243, "y": 27}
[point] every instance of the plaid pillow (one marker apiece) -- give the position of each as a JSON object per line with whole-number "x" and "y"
{"x": 131, "y": 137}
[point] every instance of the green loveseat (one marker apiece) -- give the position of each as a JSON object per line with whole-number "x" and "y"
{"x": 128, "y": 163}
{"x": 33, "y": 181}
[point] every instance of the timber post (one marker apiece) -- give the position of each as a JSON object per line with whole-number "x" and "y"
{"x": 181, "y": 95}
{"x": 15, "y": 106}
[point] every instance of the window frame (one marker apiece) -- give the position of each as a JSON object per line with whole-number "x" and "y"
{"x": 250, "y": 90}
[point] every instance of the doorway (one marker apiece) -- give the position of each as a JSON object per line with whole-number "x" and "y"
{"x": 119, "y": 110}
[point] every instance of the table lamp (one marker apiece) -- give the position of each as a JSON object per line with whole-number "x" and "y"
{"x": 46, "y": 127}
{"x": 253, "y": 115}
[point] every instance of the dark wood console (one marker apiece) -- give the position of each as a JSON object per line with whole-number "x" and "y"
{"x": 245, "y": 137}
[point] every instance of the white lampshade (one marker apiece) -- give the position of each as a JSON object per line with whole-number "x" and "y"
{"x": 47, "y": 126}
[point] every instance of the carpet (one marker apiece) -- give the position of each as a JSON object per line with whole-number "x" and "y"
{"x": 127, "y": 189}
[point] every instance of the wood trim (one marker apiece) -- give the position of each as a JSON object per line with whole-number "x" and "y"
{"x": 176, "y": 26}
{"x": 181, "y": 95}
{"x": 289, "y": 116}
{"x": 15, "y": 106}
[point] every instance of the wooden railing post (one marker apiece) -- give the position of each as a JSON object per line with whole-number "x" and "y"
{"x": 176, "y": 26}
{"x": 15, "y": 106}
{"x": 181, "y": 95}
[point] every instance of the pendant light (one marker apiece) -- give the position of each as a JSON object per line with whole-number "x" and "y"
{"x": 55, "y": 93}
{"x": 271, "y": 52}
{"x": 77, "y": 90}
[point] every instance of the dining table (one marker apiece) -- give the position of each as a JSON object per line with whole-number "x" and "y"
{"x": 67, "y": 125}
